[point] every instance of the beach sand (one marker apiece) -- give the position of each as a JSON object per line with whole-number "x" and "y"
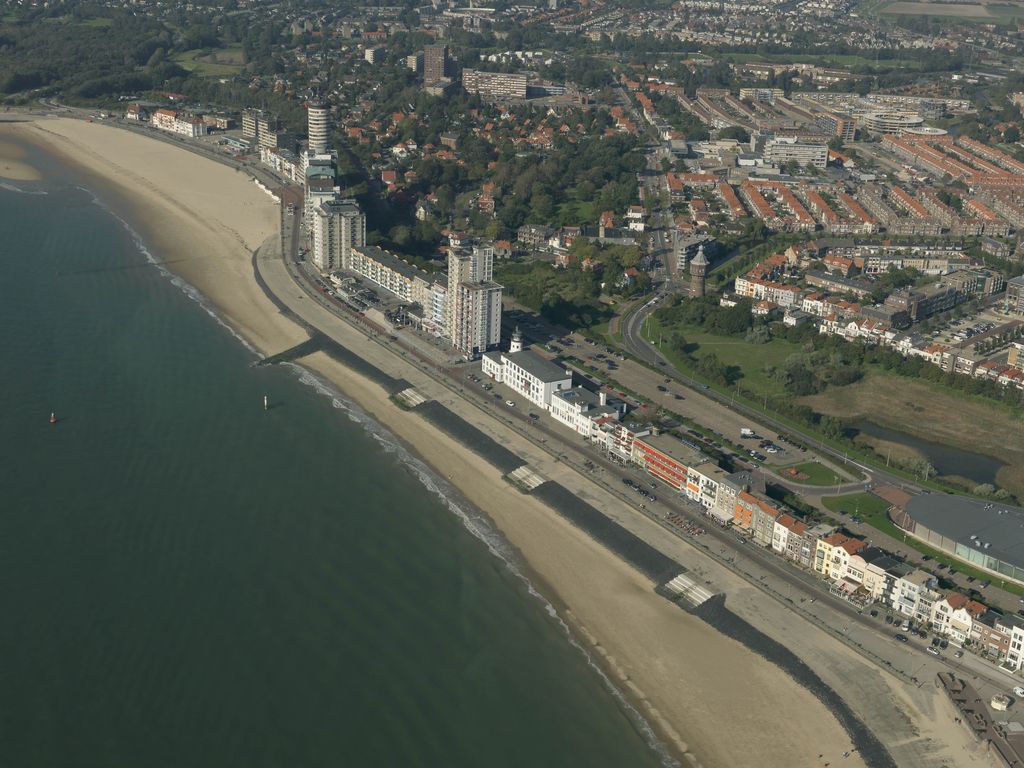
{"x": 13, "y": 166}
{"x": 709, "y": 697}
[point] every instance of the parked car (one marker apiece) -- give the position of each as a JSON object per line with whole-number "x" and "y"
{"x": 901, "y": 638}
{"x": 959, "y": 654}
{"x": 888, "y": 619}
{"x": 1018, "y": 691}
{"x": 874, "y": 612}
{"x": 510, "y": 403}
{"x": 932, "y": 650}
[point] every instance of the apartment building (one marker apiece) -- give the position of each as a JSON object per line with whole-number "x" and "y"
{"x": 782, "y": 150}
{"x": 474, "y": 300}
{"x": 338, "y": 227}
{"x": 495, "y": 85}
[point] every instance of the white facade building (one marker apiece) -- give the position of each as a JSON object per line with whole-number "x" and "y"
{"x": 528, "y": 374}
{"x": 338, "y": 227}
{"x": 580, "y": 409}
{"x": 318, "y": 126}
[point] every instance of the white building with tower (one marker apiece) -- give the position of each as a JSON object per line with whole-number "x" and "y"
{"x": 473, "y": 314}
{"x": 526, "y": 373}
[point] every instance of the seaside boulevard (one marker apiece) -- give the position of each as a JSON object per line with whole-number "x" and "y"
{"x": 707, "y": 695}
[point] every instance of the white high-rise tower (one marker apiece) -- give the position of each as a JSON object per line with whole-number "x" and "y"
{"x": 318, "y": 126}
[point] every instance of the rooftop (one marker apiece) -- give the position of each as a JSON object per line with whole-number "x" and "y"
{"x": 674, "y": 448}
{"x": 957, "y": 517}
{"x": 537, "y": 366}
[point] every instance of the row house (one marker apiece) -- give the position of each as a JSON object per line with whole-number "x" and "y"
{"x": 832, "y": 555}
{"x": 954, "y": 616}
{"x": 617, "y": 439}
{"x": 915, "y": 594}
{"x": 765, "y": 290}
{"x": 762, "y": 519}
{"x": 788, "y": 537}
{"x": 702, "y": 483}
{"x": 729, "y": 488}
{"x": 882, "y": 571}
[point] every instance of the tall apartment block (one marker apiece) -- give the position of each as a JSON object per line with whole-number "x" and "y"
{"x": 318, "y": 118}
{"x": 338, "y": 227}
{"x": 436, "y": 64}
{"x": 473, "y": 314}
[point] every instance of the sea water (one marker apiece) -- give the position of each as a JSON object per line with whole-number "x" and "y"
{"x": 189, "y": 580}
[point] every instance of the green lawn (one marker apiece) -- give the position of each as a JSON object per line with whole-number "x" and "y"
{"x": 217, "y": 63}
{"x": 97, "y": 23}
{"x": 575, "y": 212}
{"x": 752, "y": 359}
{"x": 817, "y": 474}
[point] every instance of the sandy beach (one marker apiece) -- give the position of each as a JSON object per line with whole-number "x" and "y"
{"x": 715, "y": 702}
{"x": 12, "y": 164}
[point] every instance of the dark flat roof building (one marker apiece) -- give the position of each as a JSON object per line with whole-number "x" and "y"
{"x": 989, "y": 535}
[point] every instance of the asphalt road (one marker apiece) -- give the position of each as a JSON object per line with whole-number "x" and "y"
{"x": 634, "y": 343}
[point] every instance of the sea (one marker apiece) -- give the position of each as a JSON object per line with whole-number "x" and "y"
{"x": 190, "y": 580}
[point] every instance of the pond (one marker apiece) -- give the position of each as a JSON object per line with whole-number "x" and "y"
{"x": 945, "y": 458}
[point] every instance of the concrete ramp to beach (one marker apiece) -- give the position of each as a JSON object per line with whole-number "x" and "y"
{"x": 686, "y": 589}
{"x": 525, "y": 478}
{"x": 410, "y": 397}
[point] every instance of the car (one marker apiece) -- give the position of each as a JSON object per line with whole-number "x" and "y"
{"x": 534, "y": 416}
{"x": 943, "y": 643}
{"x": 932, "y": 650}
{"x": 874, "y": 613}
{"x": 626, "y": 481}
{"x": 1018, "y": 692}
{"x": 651, "y": 497}
{"x": 901, "y": 638}
{"x": 662, "y": 388}
{"x": 510, "y": 403}
{"x": 704, "y": 386}
{"x": 959, "y": 654}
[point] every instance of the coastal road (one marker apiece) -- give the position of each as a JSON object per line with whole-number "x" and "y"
{"x": 798, "y": 590}
{"x": 634, "y": 342}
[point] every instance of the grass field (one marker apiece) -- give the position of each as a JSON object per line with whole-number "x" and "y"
{"x": 973, "y": 12}
{"x": 97, "y": 23}
{"x": 752, "y": 359}
{"x": 817, "y": 474}
{"x": 931, "y": 412}
{"x": 221, "y": 62}
{"x": 866, "y": 506}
